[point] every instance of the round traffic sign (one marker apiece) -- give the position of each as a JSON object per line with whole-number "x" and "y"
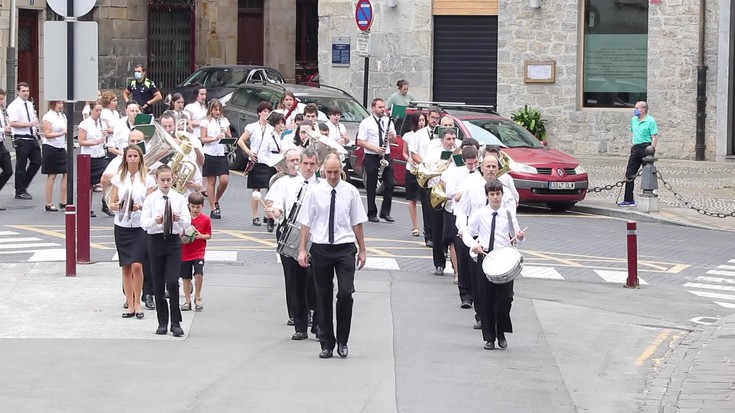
{"x": 364, "y": 15}
{"x": 81, "y": 7}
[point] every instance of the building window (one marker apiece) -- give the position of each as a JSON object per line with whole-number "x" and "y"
{"x": 615, "y": 61}
{"x": 307, "y": 39}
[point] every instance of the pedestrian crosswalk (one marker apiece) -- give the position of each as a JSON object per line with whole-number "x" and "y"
{"x": 718, "y": 284}
{"x": 13, "y": 243}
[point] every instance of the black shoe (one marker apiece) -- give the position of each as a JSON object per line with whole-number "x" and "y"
{"x": 429, "y": 243}
{"x": 149, "y": 304}
{"x": 439, "y": 271}
{"x": 204, "y": 194}
{"x": 2, "y": 208}
{"x": 256, "y": 222}
{"x": 478, "y": 325}
{"x": 51, "y": 208}
{"x": 270, "y": 225}
{"x": 128, "y": 315}
{"x": 388, "y": 218}
{"x": 125, "y": 306}
{"x": 342, "y": 350}
{"x": 176, "y": 330}
{"x": 92, "y": 214}
{"x": 139, "y": 315}
{"x": 23, "y": 195}
{"x": 373, "y": 219}
{"x": 502, "y": 342}
{"x": 162, "y": 330}
{"x": 466, "y": 304}
{"x": 62, "y": 206}
{"x": 215, "y": 214}
{"x": 490, "y": 345}
{"x": 326, "y": 353}
{"x": 290, "y": 321}
{"x": 299, "y": 336}
{"x": 107, "y": 211}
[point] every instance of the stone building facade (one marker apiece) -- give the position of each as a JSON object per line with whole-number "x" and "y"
{"x": 402, "y": 42}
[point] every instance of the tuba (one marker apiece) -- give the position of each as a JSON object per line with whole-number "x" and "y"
{"x": 160, "y": 146}
{"x": 183, "y": 169}
{"x": 324, "y": 146}
{"x": 428, "y": 170}
{"x": 438, "y": 196}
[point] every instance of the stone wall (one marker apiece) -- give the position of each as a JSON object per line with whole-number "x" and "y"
{"x": 279, "y": 51}
{"x": 216, "y": 40}
{"x": 123, "y": 32}
{"x": 401, "y": 44}
{"x": 552, "y": 33}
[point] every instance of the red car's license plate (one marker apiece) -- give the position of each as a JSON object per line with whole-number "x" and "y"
{"x": 561, "y": 185}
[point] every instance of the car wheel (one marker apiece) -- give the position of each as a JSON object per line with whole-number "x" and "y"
{"x": 378, "y": 189}
{"x": 560, "y": 206}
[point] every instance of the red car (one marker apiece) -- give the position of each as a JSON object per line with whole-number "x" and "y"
{"x": 541, "y": 174}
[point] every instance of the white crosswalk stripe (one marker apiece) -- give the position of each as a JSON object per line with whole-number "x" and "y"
{"x": 619, "y": 277}
{"x": 719, "y": 272}
{"x": 716, "y": 287}
{"x": 15, "y": 243}
{"x": 548, "y": 273}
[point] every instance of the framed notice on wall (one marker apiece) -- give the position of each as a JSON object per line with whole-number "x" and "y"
{"x": 539, "y": 71}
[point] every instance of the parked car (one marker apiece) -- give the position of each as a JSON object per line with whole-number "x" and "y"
{"x": 541, "y": 174}
{"x": 242, "y": 106}
{"x": 222, "y": 80}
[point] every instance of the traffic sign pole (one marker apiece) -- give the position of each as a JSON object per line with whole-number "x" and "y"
{"x": 364, "y": 19}
{"x": 365, "y": 81}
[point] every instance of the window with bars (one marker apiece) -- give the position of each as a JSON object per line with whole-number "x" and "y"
{"x": 170, "y": 42}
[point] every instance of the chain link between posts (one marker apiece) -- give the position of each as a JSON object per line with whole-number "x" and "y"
{"x": 615, "y": 185}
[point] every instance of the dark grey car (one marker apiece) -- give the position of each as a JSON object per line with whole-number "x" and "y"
{"x": 221, "y": 80}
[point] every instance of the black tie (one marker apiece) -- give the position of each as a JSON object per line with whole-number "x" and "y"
{"x": 380, "y": 132}
{"x": 28, "y": 113}
{"x": 331, "y": 216}
{"x": 491, "y": 244}
{"x": 168, "y": 221}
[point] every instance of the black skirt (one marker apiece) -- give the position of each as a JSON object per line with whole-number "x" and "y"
{"x": 98, "y": 168}
{"x": 412, "y": 187}
{"x": 260, "y": 176}
{"x": 215, "y": 166}
{"x": 53, "y": 160}
{"x": 131, "y": 245}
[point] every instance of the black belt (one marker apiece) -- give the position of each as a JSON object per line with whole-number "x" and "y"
{"x": 17, "y": 136}
{"x": 642, "y": 144}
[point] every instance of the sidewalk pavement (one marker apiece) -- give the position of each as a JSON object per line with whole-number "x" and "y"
{"x": 706, "y": 185}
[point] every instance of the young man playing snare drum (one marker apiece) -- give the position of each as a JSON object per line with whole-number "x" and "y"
{"x": 489, "y": 228}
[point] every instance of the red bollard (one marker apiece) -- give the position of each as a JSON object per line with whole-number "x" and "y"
{"x": 84, "y": 185}
{"x": 71, "y": 246}
{"x": 632, "y": 281}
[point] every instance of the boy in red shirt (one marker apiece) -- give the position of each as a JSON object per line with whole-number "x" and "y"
{"x": 192, "y": 254}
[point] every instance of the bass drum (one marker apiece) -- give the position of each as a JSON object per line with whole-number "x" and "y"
{"x": 502, "y": 265}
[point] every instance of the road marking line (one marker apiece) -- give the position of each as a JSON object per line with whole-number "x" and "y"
{"x": 717, "y": 272}
{"x": 237, "y": 234}
{"x": 16, "y": 246}
{"x": 382, "y": 264}
{"x": 650, "y": 350}
{"x": 56, "y": 235}
{"x": 48, "y": 255}
{"x": 549, "y": 273}
{"x": 715, "y": 280}
{"x": 726, "y": 267}
{"x": 617, "y": 276}
{"x": 220, "y": 256}
{"x": 709, "y": 286}
{"x": 8, "y": 233}
{"x": 554, "y": 259}
{"x": 713, "y": 295}
{"x": 731, "y": 261}
{"x": 726, "y": 305}
{"x": 20, "y": 239}
{"x": 380, "y": 252}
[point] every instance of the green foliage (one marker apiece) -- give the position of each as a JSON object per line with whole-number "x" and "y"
{"x": 531, "y": 119}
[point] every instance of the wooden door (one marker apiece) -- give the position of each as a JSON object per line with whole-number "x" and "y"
{"x": 28, "y": 51}
{"x": 250, "y": 37}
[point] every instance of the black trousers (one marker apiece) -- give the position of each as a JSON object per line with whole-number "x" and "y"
{"x": 27, "y": 163}
{"x": 296, "y": 283}
{"x": 637, "y": 153}
{"x": 426, "y": 212}
{"x": 6, "y": 165}
{"x": 147, "y": 277}
{"x": 328, "y": 260}
{"x": 493, "y": 302}
{"x": 436, "y": 217}
{"x": 165, "y": 256}
{"x": 464, "y": 282}
{"x": 371, "y": 165}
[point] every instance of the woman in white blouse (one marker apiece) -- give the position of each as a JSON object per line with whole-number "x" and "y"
{"x": 214, "y": 128}
{"x": 111, "y": 117}
{"x": 92, "y": 140}
{"x": 196, "y": 110}
{"x": 130, "y": 185}
{"x": 418, "y": 122}
{"x": 258, "y": 142}
{"x": 53, "y": 160}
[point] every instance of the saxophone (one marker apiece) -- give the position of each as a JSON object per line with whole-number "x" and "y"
{"x": 386, "y": 144}
{"x": 288, "y": 243}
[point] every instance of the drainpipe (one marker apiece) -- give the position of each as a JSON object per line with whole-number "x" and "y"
{"x": 701, "y": 87}
{"x": 10, "y": 56}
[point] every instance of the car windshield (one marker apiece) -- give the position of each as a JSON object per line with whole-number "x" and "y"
{"x": 509, "y": 133}
{"x": 351, "y": 110}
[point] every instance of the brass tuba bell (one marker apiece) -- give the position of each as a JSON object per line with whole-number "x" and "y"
{"x": 503, "y": 164}
{"x": 438, "y": 196}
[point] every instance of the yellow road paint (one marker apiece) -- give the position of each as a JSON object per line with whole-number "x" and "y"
{"x": 650, "y": 350}
{"x": 55, "y": 234}
{"x": 238, "y": 234}
{"x": 568, "y": 263}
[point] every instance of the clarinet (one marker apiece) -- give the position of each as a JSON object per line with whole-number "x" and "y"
{"x": 386, "y": 144}
{"x": 6, "y": 122}
{"x": 37, "y": 132}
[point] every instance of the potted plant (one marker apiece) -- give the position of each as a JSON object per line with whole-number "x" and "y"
{"x": 531, "y": 119}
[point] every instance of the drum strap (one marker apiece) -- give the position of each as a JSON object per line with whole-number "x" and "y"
{"x": 510, "y": 224}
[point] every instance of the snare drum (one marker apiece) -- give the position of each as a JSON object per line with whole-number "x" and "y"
{"x": 502, "y": 265}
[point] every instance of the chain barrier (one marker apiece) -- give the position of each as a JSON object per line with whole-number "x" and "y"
{"x": 688, "y": 204}
{"x": 615, "y": 185}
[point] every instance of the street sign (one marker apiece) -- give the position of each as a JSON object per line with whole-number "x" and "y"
{"x": 81, "y": 7}
{"x": 362, "y": 44}
{"x": 364, "y": 15}
{"x": 86, "y": 61}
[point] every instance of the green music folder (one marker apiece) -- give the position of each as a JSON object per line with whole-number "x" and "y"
{"x": 143, "y": 119}
{"x": 141, "y": 145}
{"x": 446, "y": 155}
{"x": 458, "y": 159}
{"x": 397, "y": 111}
{"x": 148, "y": 130}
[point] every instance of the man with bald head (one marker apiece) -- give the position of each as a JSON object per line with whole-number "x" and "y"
{"x": 331, "y": 218}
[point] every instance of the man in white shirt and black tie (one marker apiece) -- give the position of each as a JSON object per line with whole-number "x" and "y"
{"x": 5, "y": 165}
{"x": 24, "y": 125}
{"x": 489, "y": 228}
{"x": 331, "y": 217}
{"x": 374, "y": 137}
{"x": 165, "y": 216}
{"x": 419, "y": 150}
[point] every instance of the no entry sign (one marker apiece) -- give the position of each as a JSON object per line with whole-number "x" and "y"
{"x": 364, "y": 15}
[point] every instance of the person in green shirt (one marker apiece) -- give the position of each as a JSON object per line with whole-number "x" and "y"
{"x": 645, "y": 133}
{"x": 401, "y": 96}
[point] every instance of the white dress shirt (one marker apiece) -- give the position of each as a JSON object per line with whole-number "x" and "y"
{"x": 480, "y": 224}
{"x": 110, "y": 118}
{"x": 94, "y": 132}
{"x": 408, "y": 139}
{"x": 58, "y": 124}
{"x": 155, "y": 206}
{"x": 421, "y": 142}
{"x": 291, "y": 118}
{"x": 196, "y": 112}
{"x": 370, "y": 128}
{"x": 453, "y": 179}
{"x": 336, "y": 131}
{"x": 215, "y": 128}
{"x": 120, "y": 133}
{"x": 348, "y": 212}
{"x": 434, "y": 156}
{"x": 474, "y": 198}
{"x": 17, "y": 113}
{"x": 284, "y": 191}
{"x": 139, "y": 190}
{"x": 509, "y": 185}
{"x": 263, "y": 143}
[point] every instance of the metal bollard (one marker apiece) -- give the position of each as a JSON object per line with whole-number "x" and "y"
{"x": 648, "y": 201}
{"x": 71, "y": 246}
{"x": 632, "y": 281}
{"x": 84, "y": 172}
